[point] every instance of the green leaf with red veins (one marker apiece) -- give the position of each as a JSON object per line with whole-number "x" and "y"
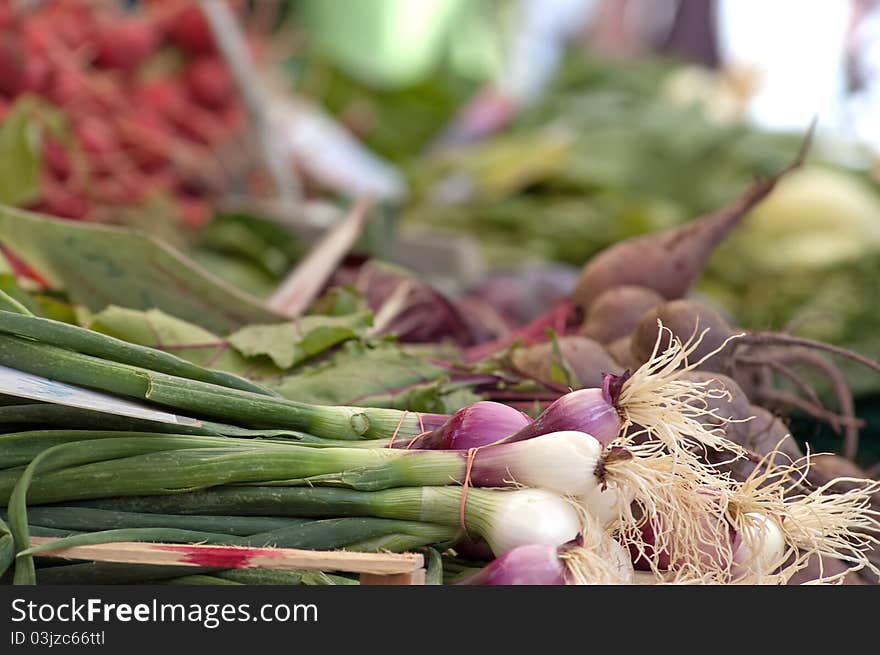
{"x": 288, "y": 344}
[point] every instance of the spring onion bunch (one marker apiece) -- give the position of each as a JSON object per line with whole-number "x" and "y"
{"x": 603, "y": 478}
{"x": 771, "y": 526}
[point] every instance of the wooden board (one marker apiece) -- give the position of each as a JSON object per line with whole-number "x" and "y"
{"x": 381, "y": 568}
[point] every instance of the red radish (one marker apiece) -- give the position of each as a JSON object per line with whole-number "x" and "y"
{"x": 57, "y": 159}
{"x": 21, "y": 69}
{"x": 199, "y": 125}
{"x": 190, "y": 30}
{"x": 38, "y": 75}
{"x": 145, "y": 136}
{"x": 209, "y": 82}
{"x": 186, "y": 25}
{"x": 59, "y": 201}
{"x": 72, "y": 23}
{"x": 96, "y": 136}
{"x": 670, "y": 262}
{"x": 161, "y": 96}
{"x": 68, "y": 88}
{"x": 123, "y": 43}
{"x": 12, "y": 66}
{"x": 168, "y": 98}
{"x": 233, "y": 116}
{"x": 195, "y": 212}
{"x": 8, "y": 17}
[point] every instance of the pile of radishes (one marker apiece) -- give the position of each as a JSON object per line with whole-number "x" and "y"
{"x": 147, "y": 99}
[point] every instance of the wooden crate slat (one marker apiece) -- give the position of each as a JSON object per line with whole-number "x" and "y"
{"x": 202, "y": 555}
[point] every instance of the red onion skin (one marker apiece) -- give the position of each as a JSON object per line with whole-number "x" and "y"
{"x": 432, "y": 421}
{"x": 584, "y": 410}
{"x": 534, "y": 564}
{"x": 476, "y": 425}
{"x": 474, "y": 549}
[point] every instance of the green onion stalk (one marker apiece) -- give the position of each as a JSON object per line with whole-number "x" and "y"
{"x": 567, "y": 463}
{"x": 246, "y": 408}
{"x": 315, "y": 534}
{"x": 261, "y": 577}
{"x": 646, "y": 481}
{"x": 48, "y": 415}
{"x": 202, "y": 580}
{"x": 7, "y": 548}
{"x": 19, "y": 448}
{"x": 66, "y": 455}
{"x": 112, "y": 573}
{"x": 283, "y": 577}
{"x": 504, "y": 518}
{"x": 90, "y": 342}
{"x": 89, "y": 519}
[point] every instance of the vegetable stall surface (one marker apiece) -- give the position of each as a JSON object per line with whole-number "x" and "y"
{"x": 559, "y": 478}
{"x": 619, "y": 425}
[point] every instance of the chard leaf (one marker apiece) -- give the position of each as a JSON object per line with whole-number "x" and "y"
{"x": 157, "y": 329}
{"x": 101, "y": 265}
{"x": 20, "y": 153}
{"x": 288, "y": 344}
{"x": 339, "y": 301}
{"x": 357, "y": 374}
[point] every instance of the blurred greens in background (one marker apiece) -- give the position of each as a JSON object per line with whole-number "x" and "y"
{"x": 615, "y": 150}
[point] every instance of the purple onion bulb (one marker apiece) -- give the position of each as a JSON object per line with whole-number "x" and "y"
{"x": 532, "y": 564}
{"x": 478, "y": 424}
{"x": 585, "y": 410}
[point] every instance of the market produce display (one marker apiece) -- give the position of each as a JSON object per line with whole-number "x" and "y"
{"x": 592, "y": 476}
{"x": 625, "y": 415}
{"x": 107, "y": 110}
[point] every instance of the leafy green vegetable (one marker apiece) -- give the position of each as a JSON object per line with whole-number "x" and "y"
{"x": 339, "y": 301}
{"x": 376, "y": 376}
{"x": 157, "y": 329}
{"x": 20, "y": 148}
{"x": 288, "y": 344}
{"x": 255, "y": 351}
{"x": 248, "y": 251}
{"x": 99, "y": 265}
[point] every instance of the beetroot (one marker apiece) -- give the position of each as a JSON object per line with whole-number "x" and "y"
{"x": 621, "y": 350}
{"x": 617, "y": 311}
{"x": 683, "y": 318}
{"x": 670, "y": 262}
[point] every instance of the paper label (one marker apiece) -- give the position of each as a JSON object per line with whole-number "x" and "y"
{"x": 34, "y": 387}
